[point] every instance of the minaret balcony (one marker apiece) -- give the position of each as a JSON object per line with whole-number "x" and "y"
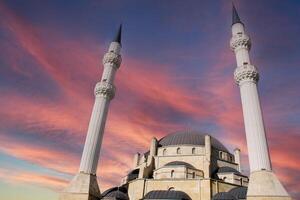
{"x": 239, "y": 41}
{"x": 245, "y": 73}
{"x": 105, "y": 89}
{"x": 113, "y": 59}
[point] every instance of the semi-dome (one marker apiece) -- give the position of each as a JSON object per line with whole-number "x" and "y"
{"x": 167, "y": 194}
{"x": 119, "y": 193}
{"x": 226, "y": 169}
{"x": 239, "y": 192}
{"x": 190, "y": 138}
{"x": 180, "y": 163}
{"x": 223, "y": 196}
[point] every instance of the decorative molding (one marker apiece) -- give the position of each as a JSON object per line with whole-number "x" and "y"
{"x": 246, "y": 72}
{"x": 105, "y": 89}
{"x": 112, "y": 58}
{"x": 240, "y": 41}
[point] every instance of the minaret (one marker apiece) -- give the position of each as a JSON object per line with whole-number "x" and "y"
{"x": 263, "y": 182}
{"x": 84, "y": 185}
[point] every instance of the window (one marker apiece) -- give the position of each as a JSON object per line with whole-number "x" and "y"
{"x": 178, "y": 151}
{"x": 221, "y": 154}
{"x": 164, "y": 152}
{"x": 172, "y": 174}
{"x": 193, "y": 175}
{"x": 193, "y": 150}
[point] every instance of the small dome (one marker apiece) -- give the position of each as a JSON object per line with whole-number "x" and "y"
{"x": 239, "y": 192}
{"x": 116, "y": 195}
{"x": 167, "y": 194}
{"x": 134, "y": 174}
{"x": 228, "y": 170}
{"x": 190, "y": 138}
{"x": 119, "y": 193}
{"x": 223, "y": 196}
{"x": 180, "y": 163}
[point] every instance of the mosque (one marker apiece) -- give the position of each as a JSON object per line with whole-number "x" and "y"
{"x": 184, "y": 165}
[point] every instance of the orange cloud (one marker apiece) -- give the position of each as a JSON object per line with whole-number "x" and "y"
{"x": 15, "y": 177}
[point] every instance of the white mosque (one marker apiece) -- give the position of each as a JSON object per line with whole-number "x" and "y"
{"x": 184, "y": 165}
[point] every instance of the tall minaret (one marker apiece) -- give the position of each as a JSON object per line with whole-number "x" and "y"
{"x": 263, "y": 182}
{"x": 84, "y": 185}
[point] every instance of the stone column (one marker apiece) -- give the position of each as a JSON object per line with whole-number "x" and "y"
{"x": 136, "y": 160}
{"x": 237, "y": 158}
{"x": 153, "y": 147}
{"x": 207, "y": 156}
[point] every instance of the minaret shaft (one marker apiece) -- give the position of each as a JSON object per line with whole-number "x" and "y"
{"x": 263, "y": 183}
{"x": 246, "y": 75}
{"x": 254, "y": 127}
{"x": 94, "y": 137}
{"x": 84, "y": 185}
{"x": 104, "y": 92}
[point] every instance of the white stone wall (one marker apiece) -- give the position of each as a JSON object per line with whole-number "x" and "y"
{"x": 177, "y": 172}
{"x": 234, "y": 179}
{"x": 184, "y": 149}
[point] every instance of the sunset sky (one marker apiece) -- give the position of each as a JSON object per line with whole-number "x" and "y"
{"x": 177, "y": 73}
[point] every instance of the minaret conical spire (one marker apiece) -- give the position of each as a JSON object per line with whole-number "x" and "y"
{"x": 118, "y": 36}
{"x": 235, "y": 16}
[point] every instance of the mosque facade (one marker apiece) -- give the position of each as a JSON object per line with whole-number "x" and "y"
{"x": 184, "y": 165}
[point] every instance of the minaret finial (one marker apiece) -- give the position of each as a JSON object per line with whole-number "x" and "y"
{"x": 118, "y": 35}
{"x": 235, "y": 15}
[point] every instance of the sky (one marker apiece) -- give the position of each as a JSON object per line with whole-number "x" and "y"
{"x": 176, "y": 74}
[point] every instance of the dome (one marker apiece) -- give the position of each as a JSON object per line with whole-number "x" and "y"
{"x": 167, "y": 194}
{"x": 226, "y": 169}
{"x": 239, "y": 192}
{"x": 116, "y": 195}
{"x": 190, "y": 138}
{"x": 223, "y": 196}
{"x": 180, "y": 163}
{"x": 119, "y": 193}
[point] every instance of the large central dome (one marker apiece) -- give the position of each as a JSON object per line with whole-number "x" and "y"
{"x": 190, "y": 138}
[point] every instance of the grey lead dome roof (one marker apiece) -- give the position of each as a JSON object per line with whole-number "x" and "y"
{"x": 226, "y": 169}
{"x": 190, "y": 138}
{"x": 167, "y": 194}
{"x": 180, "y": 163}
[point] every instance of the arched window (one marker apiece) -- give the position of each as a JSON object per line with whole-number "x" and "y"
{"x": 193, "y": 150}
{"x": 164, "y": 152}
{"x": 178, "y": 150}
{"x": 172, "y": 174}
{"x": 221, "y": 155}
